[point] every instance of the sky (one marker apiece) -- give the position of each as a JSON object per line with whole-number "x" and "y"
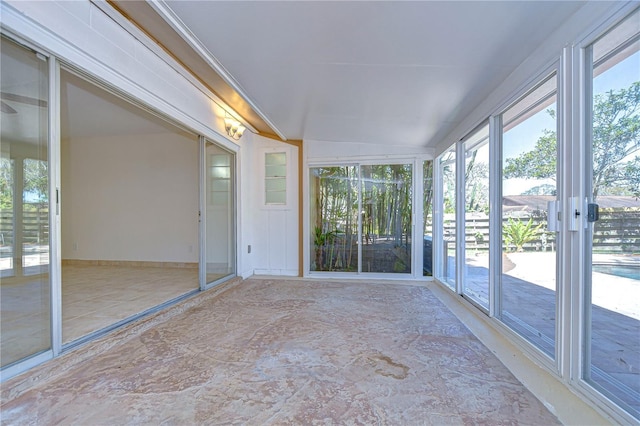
{"x": 523, "y": 137}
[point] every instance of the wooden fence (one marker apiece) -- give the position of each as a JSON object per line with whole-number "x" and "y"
{"x": 35, "y": 230}
{"x": 617, "y": 231}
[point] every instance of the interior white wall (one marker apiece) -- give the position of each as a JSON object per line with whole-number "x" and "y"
{"x": 245, "y": 205}
{"x": 132, "y": 197}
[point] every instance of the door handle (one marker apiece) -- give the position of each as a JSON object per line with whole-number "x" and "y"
{"x": 593, "y": 212}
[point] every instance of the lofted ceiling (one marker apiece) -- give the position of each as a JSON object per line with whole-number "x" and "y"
{"x": 380, "y": 72}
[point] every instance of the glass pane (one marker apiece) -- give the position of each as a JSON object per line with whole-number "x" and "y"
{"x": 529, "y": 153}
{"x": 220, "y": 199}
{"x": 386, "y": 218}
{"x": 6, "y": 213}
{"x": 276, "y": 171}
{"x": 220, "y": 185}
{"x": 25, "y": 292}
{"x": 35, "y": 217}
{"x": 613, "y": 275}
{"x": 276, "y": 197}
{"x": 220, "y": 160}
{"x": 333, "y": 206}
{"x": 220, "y": 234}
{"x": 278, "y": 158}
{"x": 427, "y": 199}
{"x": 276, "y": 184}
{"x": 220, "y": 172}
{"x": 447, "y": 247}
{"x": 128, "y": 212}
{"x": 476, "y": 177}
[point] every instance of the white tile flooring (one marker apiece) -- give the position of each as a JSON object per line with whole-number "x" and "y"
{"x": 93, "y": 297}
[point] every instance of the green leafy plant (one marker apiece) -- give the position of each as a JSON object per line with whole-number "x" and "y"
{"x": 320, "y": 240}
{"x": 517, "y": 233}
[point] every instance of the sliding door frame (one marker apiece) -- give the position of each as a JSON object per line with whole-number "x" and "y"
{"x": 202, "y": 214}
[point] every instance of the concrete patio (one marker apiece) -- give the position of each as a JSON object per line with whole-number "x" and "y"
{"x": 283, "y": 352}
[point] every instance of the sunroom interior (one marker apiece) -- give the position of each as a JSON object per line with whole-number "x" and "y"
{"x": 504, "y": 172}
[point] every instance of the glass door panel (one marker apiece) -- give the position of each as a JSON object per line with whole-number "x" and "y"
{"x": 427, "y": 231}
{"x": 220, "y": 225}
{"x": 129, "y": 205}
{"x": 529, "y": 158}
{"x": 476, "y": 178}
{"x": 25, "y": 289}
{"x": 386, "y": 218}
{"x": 612, "y": 330}
{"x": 6, "y": 212}
{"x": 333, "y": 206}
{"x": 447, "y": 244}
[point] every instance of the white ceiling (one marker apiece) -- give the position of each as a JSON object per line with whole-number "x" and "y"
{"x": 402, "y": 73}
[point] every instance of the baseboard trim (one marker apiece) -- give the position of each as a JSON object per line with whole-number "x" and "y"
{"x": 129, "y": 263}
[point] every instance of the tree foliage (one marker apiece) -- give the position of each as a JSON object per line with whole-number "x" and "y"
{"x": 36, "y": 178}
{"x": 616, "y": 138}
{"x": 476, "y": 179}
{"x": 385, "y": 211}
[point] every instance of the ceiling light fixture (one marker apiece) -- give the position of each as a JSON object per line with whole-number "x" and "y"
{"x": 234, "y": 128}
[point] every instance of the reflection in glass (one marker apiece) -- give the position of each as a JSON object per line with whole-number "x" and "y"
{"x": 333, "y": 204}
{"x": 476, "y": 178}
{"x": 25, "y": 294}
{"x": 447, "y": 247}
{"x": 386, "y": 218}
{"x": 427, "y": 200}
{"x": 220, "y": 240}
{"x": 612, "y": 350}
{"x": 528, "y": 246}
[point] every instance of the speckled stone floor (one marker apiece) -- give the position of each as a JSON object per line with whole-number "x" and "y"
{"x": 285, "y": 352}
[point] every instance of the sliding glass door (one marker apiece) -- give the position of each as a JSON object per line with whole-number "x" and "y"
{"x": 529, "y": 219}
{"x": 334, "y": 223}
{"x": 475, "y": 283}
{"x": 612, "y": 244}
{"x": 386, "y": 218}
{"x": 219, "y": 254}
{"x": 360, "y": 218}
{"x": 445, "y": 222}
{"x": 25, "y": 288}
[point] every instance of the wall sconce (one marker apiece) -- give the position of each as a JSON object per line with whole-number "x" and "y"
{"x": 234, "y": 128}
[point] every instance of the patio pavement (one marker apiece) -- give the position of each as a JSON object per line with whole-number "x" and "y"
{"x": 528, "y": 303}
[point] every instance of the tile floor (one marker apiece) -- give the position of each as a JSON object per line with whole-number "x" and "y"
{"x": 93, "y": 297}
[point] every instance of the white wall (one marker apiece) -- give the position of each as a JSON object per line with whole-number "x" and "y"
{"x": 131, "y": 197}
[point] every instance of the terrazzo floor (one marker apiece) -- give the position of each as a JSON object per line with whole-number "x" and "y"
{"x": 285, "y": 352}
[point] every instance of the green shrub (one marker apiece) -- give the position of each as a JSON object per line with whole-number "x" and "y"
{"x": 517, "y": 233}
